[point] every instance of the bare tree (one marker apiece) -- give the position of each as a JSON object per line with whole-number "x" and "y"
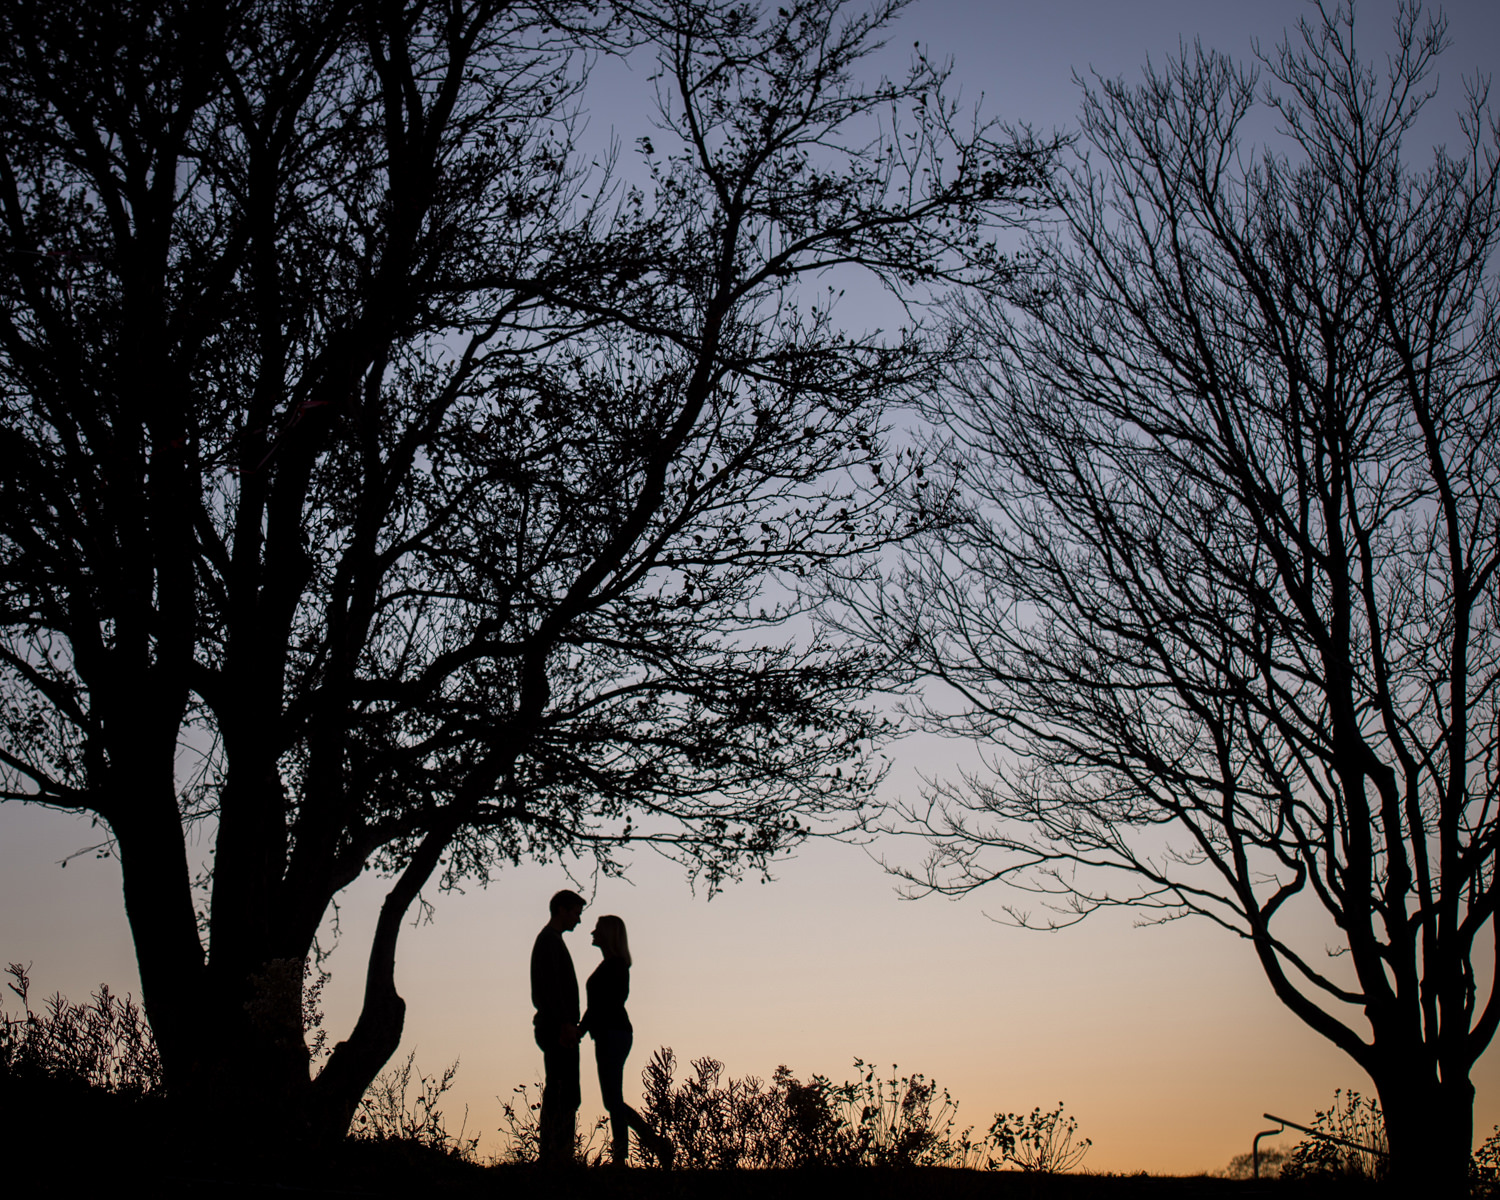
{"x": 444, "y": 500}
{"x": 1224, "y": 605}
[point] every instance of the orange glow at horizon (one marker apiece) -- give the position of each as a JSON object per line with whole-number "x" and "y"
{"x": 1166, "y": 1043}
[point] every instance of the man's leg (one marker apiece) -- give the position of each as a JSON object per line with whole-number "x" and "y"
{"x": 561, "y": 1096}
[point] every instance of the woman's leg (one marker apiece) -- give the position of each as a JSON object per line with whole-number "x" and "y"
{"x": 611, "y": 1049}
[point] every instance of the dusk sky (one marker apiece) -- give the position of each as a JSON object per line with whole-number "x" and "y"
{"x": 1165, "y": 1042}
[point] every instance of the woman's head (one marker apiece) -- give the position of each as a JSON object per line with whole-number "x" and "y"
{"x": 609, "y": 936}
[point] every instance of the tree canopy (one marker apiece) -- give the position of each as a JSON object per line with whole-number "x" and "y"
{"x": 392, "y": 489}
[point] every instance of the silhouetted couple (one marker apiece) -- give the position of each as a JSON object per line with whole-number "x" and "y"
{"x": 554, "y": 992}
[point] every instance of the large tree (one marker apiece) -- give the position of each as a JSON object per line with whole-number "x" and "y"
{"x": 1223, "y": 606}
{"x": 386, "y": 489}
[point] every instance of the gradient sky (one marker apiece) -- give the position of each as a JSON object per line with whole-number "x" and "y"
{"x": 1165, "y": 1042}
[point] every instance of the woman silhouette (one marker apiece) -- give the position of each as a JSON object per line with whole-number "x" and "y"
{"x": 607, "y": 1021}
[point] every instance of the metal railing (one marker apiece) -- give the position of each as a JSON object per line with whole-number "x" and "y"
{"x": 1284, "y": 1124}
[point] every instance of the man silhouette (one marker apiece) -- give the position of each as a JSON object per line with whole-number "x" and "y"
{"x": 554, "y": 992}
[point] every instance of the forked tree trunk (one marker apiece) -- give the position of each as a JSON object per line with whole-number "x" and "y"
{"x": 230, "y": 1032}
{"x": 243, "y": 1066}
{"x": 252, "y": 1071}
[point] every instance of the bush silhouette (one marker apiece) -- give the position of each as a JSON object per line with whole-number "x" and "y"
{"x": 104, "y": 1045}
{"x": 66, "y": 1068}
{"x": 718, "y": 1122}
{"x": 1319, "y": 1159}
{"x": 1354, "y": 1118}
{"x": 1045, "y": 1143}
{"x": 389, "y": 1112}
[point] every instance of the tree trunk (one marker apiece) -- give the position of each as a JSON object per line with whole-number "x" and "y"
{"x": 230, "y": 1029}
{"x": 355, "y": 1063}
{"x": 1430, "y": 1129}
{"x": 158, "y": 905}
{"x": 243, "y": 1066}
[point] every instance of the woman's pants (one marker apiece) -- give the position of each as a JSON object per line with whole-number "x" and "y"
{"x": 611, "y": 1049}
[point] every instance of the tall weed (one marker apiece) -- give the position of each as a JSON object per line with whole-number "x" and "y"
{"x": 391, "y": 1111}
{"x": 901, "y": 1121}
{"x": 104, "y": 1044}
{"x": 522, "y": 1131}
{"x": 1046, "y": 1143}
{"x": 1354, "y": 1118}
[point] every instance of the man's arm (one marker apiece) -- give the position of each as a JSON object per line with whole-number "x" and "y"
{"x": 554, "y": 986}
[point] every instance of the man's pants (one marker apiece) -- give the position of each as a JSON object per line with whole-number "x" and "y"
{"x": 560, "y": 1100}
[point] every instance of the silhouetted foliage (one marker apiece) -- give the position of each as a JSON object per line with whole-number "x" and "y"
{"x": 104, "y": 1045}
{"x": 1484, "y": 1170}
{"x": 390, "y": 1111}
{"x": 1350, "y": 1118}
{"x": 93, "y": 1067}
{"x": 390, "y": 489}
{"x": 899, "y": 1120}
{"x": 1223, "y": 606}
{"x": 1243, "y": 1166}
{"x": 724, "y": 1123}
{"x": 77, "y": 1074}
{"x": 1044, "y": 1142}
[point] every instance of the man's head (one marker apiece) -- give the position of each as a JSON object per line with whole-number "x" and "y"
{"x": 567, "y": 909}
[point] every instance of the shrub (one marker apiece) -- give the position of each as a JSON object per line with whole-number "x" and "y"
{"x": 1046, "y": 1143}
{"x": 386, "y": 1114}
{"x": 1356, "y": 1119}
{"x": 725, "y": 1124}
{"x": 715, "y": 1122}
{"x": 893, "y": 1121}
{"x": 896, "y": 1124}
{"x": 1484, "y": 1167}
{"x": 104, "y": 1044}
